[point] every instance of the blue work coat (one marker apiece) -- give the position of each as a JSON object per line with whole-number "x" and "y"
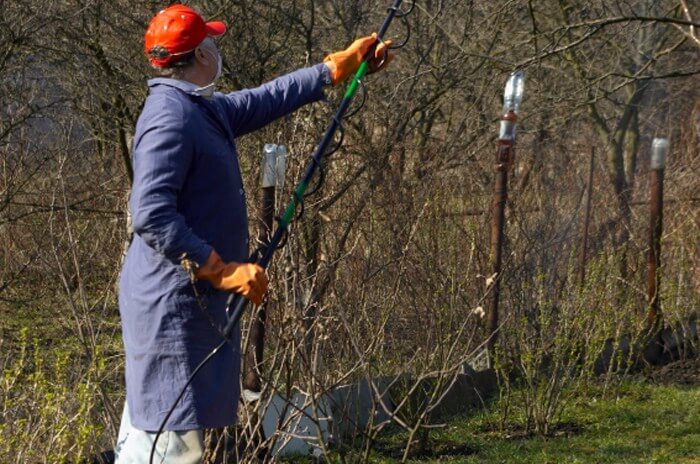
{"x": 187, "y": 199}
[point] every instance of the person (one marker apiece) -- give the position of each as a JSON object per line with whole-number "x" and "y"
{"x": 190, "y": 241}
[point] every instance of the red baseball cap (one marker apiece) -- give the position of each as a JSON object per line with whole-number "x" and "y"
{"x": 179, "y": 30}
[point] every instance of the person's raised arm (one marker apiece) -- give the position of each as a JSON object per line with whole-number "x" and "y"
{"x": 251, "y": 109}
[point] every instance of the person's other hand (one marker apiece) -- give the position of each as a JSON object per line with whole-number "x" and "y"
{"x": 245, "y": 278}
{"x": 344, "y": 63}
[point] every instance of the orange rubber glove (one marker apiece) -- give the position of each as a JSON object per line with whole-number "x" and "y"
{"x": 345, "y": 63}
{"x": 245, "y": 278}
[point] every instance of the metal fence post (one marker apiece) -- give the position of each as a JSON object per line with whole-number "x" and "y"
{"x": 504, "y": 159}
{"x": 658, "y": 159}
{"x": 274, "y": 163}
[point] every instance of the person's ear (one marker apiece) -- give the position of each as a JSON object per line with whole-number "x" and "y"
{"x": 201, "y": 56}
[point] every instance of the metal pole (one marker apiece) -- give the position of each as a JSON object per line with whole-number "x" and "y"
{"x": 254, "y": 354}
{"x": 498, "y": 207}
{"x": 586, "y": 221}
{"x": 658, "y": 158}
{"x": 273, "y": 175}
{"x": 512, "y": 97}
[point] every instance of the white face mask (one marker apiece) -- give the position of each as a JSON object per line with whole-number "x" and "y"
{"x": 219, "y": 68}
{"x": 208, "y": 90}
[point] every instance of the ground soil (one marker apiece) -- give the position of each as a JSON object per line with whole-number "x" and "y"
{"x": 684, "y": 372}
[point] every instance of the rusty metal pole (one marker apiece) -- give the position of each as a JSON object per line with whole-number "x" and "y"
{"x": 658, "y": 159}
{"x": 586, "y": 221}
{"x": 273, "y": 177}
{"x": 498, "y": 208}
{"x": 504, "y": 160}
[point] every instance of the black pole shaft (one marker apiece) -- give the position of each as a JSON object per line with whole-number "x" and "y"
{"x": 238, "y": 302}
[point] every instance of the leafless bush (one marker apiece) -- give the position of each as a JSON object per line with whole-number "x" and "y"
{"x": 381, "y": 278}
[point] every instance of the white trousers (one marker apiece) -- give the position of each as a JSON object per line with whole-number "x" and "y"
{"x": 134, "y": 446}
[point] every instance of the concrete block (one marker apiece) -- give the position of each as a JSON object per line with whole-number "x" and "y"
{"x": 468, "y": 391}
{"x": 292, "y": 421}
{"x": 480, "y": 361}
{"x": 353, "y": 405}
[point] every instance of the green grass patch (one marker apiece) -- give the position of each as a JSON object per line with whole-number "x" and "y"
{"x": 637, "y": 422}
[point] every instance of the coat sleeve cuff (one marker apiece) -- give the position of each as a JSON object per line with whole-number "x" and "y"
{"x": 326, "y": 78}
{"x": 201, "y": 254}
